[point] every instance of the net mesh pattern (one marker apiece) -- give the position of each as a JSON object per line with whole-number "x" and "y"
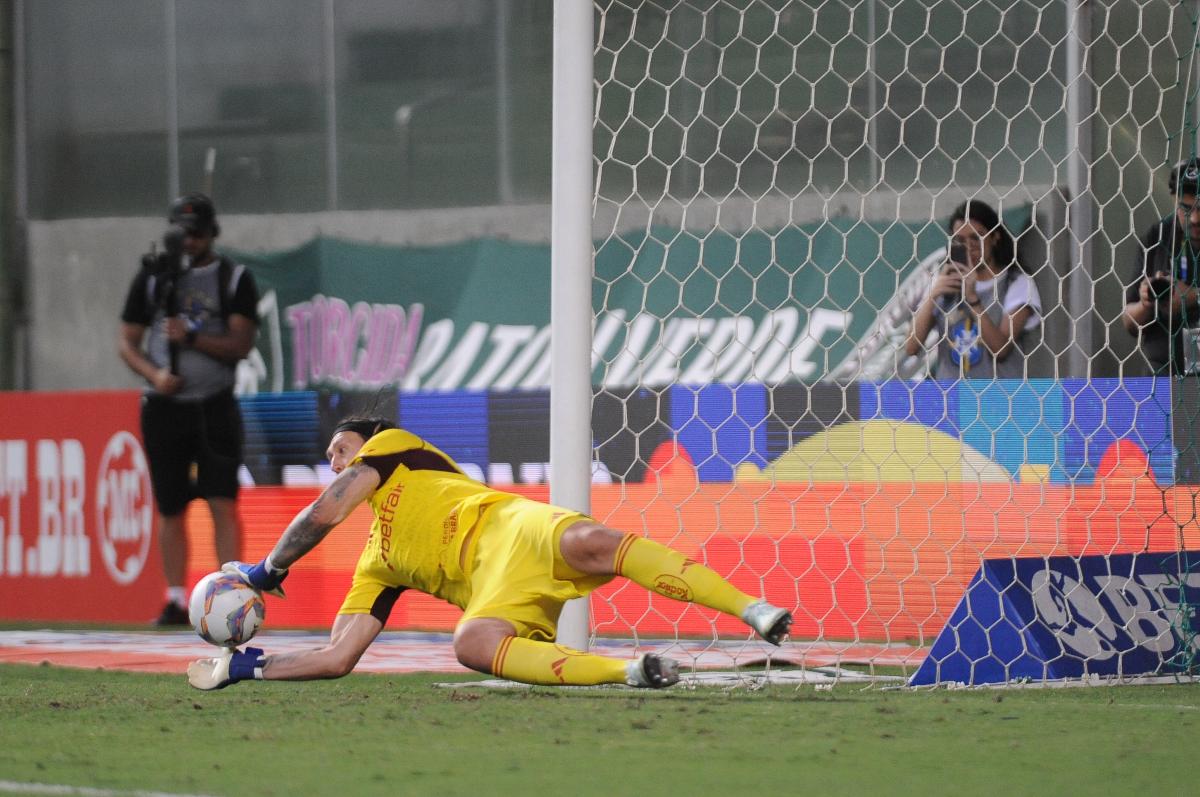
{"x": 774, "y": 187}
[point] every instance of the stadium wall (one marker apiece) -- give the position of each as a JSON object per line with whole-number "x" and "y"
{"x": 80, "y": 269}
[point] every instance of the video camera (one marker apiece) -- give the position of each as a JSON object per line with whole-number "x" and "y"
{"x": 192, "y": 214}
{"x": 167, "y": 267}
{"x": 168, "y": 262}
{"x": 1160, "y": 288}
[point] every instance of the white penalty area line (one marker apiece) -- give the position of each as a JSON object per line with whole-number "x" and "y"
{"x": 13, "y": 787}
{"x": 821, "y": 678}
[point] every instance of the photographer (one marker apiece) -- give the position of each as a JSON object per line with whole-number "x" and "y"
{"x": 189, "y": 317}
{"x": 1161, "y": 297}
{"x": 981, "y": 301}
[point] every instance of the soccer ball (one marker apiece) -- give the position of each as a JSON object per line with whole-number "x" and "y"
{"x": 225, "y": 611}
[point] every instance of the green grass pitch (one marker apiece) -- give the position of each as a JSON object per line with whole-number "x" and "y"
{"x": 392, "y": 735}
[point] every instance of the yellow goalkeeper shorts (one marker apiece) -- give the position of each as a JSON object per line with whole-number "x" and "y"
{"x": 516, "y": 562}
{"x": 516, "y": 572}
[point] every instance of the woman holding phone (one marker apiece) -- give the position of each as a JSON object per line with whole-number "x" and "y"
{"x": 983, "y": 304}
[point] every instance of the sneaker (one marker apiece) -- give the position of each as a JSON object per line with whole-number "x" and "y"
{"x": 172, "y": 614}
{"x": 651, "y": 671}
{"x": 771, "y": 622}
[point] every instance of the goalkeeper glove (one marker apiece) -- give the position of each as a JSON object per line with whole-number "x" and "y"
{"x": 228, "y": 668}
{"x": 262, "y": 576}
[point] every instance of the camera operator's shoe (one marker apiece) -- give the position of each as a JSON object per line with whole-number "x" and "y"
{"x": 172, "y": 614}
{"x": 651, "y": 671}
{"x": 771, "y": 622}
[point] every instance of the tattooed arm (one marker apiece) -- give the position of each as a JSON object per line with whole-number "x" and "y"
{"x": 352, "y": 486}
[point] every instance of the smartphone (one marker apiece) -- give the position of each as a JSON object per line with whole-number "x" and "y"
{"x": 1160, "y": 287}
{"x": 958, "y": 252}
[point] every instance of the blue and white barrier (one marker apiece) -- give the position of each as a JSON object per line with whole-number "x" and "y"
{"x": 1061, "y": 617}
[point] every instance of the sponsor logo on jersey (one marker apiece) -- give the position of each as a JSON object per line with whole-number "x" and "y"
{"x": 386, "y": 517}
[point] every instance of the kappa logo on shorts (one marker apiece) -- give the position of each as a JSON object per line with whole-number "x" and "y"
{"x": 124, "y": 508}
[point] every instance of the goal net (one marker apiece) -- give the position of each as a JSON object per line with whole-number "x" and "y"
{"x": 774, "y": 188}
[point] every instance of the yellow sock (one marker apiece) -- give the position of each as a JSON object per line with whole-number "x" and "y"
{"x": 670, "y": 573}
{"x": 533, "y": 662}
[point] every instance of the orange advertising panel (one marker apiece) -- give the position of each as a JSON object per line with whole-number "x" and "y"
{"x": 77, "y": 535}
{"x": 860, "y": 559}
{"x": 879, "y": 561}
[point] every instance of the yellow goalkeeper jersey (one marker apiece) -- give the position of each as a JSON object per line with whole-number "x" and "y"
{"x": 425, "y": 510}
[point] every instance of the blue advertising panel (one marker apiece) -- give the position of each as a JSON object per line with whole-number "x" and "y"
{"x": 1050, "y": 618}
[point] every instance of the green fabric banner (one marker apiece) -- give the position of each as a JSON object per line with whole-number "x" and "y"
{"x": 670, "y": 307}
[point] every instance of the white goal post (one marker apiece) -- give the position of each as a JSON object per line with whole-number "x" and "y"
{"x": 571, "y": 272}
{"x": 773, "y": 185}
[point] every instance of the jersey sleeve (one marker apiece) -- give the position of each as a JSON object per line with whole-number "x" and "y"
{"x": 245, "y": 295}
{"x": 138, "y": 309}
{"x": 1023, "y": 292}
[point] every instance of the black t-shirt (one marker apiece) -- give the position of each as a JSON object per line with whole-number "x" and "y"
{"x": 1166, "y": 248}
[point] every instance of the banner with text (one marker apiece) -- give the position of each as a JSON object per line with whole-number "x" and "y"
{"x": 671, "y": 307}
{"x": 77, "y": 535}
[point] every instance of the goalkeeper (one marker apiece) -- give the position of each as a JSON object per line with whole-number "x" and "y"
{"x": 510, "y": 563}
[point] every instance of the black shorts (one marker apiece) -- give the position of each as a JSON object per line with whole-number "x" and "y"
{"x": 180, "y": 434}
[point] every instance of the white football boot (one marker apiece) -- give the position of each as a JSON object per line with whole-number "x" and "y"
{"x": 771, "y": 622}
{"x": 651, "y": 671}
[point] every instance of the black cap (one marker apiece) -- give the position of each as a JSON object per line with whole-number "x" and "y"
{"x": 195, "y": 213}
{"x": 1185, "y": 177}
